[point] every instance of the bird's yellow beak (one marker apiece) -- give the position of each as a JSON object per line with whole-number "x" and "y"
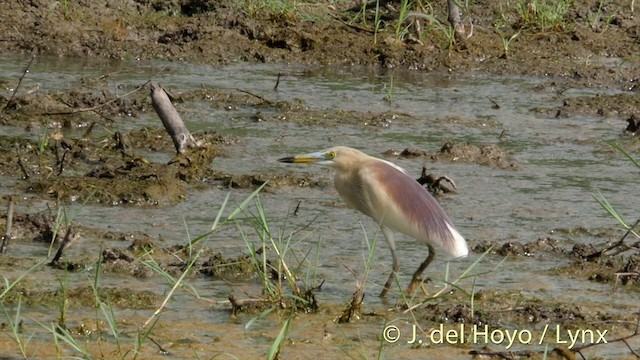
{"x": 305, "y": 158}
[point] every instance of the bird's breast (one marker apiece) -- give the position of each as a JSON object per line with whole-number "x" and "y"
{"x": 355, "y": 191}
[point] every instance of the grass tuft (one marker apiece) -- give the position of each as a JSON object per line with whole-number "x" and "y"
{"x": 543, "y": 15}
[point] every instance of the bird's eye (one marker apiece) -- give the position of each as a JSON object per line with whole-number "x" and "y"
{"x": 331, "y": 155}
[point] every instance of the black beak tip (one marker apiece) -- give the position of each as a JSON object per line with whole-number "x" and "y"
{"x": 288, "y": 159}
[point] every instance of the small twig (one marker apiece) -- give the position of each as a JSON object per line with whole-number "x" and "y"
{"x": 7, "y": 232}
{"x": 94, "y": 108}
{"x": 69, "y": 237}
{"x": 96, "y": 112}
{"x": 448, "y": 179}
{"x": 89, "y": 129}
{"x": 622, "y": 274}
{"x": 64, "y": 154}
{"x": 624, "y": 247}
{"x": 295, "y": 212}
{"x": 503, "y": 133}
{"x": 23, "y": 168}
{"x": 319, "y": 287}
{"x": 161, "y": 350}
{"x": 619, "y": 244}
{"x": 275, "y": 88}
{"x": 623, "y": 339}
{"x": 24, "y": 73}
{"x": 355, "y": 304}
{"x": 255, "y": 95}
{"x": 495, "y": 103}
{"x": 245, "y": 302}
{"x": 305, "y": 227}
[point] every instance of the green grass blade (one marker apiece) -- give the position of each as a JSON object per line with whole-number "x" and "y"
{"x": 220, "y": 212}
{"x": 60, "y": 333}
{"x": 260, "y": 316}
{"x": 624, "y": 152}
{"x": 243, "y": 205}
{"x": 606, "y": 205}
{"x": 15, "y": 328}
{"x": 9, "y": 286}
{"x": 274, "y": 350}
{"x": 475, "y": 263}
{"x": 199, "y": 238}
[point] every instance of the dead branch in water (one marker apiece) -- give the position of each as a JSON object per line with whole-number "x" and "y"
{"x": 7, "y": 232}
{"x": 354, "y": 307}
{"x": 617, "y": 247}
{"x": 182, "y": 138}
{"x": 262, "y": 98}
{"x": 24, "y": 73}
{"x": 434, "y": 183}
{"x": 69, "y": 238}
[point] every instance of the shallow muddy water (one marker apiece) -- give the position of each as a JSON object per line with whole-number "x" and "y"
{"x": 559, "y": 162}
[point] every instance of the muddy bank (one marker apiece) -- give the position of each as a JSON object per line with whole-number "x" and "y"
{"x": 583, "y": 44}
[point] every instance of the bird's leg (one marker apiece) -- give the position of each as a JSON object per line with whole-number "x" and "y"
{"x": 388, "y": 235}
{"x": 415, "y": 280}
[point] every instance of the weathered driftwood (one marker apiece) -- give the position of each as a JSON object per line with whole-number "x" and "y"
{"x": 69, "y": 238}
{"x": 456, "y": 22}
{"x": 182, "y": 138}
{"x": 434, "y": 183}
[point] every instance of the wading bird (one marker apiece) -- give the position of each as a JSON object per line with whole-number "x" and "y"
{"x": 386, "y": 193}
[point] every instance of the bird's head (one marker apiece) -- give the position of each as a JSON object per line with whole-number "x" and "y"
{"x": 342, "y": 158}
{"x": 332, "y": 156}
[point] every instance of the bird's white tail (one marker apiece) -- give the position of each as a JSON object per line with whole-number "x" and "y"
{"x": 458, "y": 246}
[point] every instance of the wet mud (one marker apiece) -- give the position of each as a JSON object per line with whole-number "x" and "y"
{"x": 77, "y": 153}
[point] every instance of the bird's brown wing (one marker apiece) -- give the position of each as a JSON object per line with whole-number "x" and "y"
{"x": 398, "y": 201}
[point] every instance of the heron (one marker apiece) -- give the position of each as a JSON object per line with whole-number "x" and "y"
{"x": 385, "y": 192}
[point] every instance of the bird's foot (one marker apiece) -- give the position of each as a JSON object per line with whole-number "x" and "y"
{"x": 414, "y": 284}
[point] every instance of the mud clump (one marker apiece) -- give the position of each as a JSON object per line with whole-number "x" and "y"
{"x": 583, "y": 251}
{"x": 123, "y": 261}
{"x": 78, "y": 167}
{"x": 539, "y": 246}
{"x": 618, "y": 105}
{"x": 143, "y": 244}
{"x": 219, "y": 267}
{"x": 492, "y": 155}
{"x": 614, "y": 270}
{"x": 38, "y": 227}
{"x": 121, "y": 297}
{"x": 512, "y": 308}
{"x": 114, "y": 176}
